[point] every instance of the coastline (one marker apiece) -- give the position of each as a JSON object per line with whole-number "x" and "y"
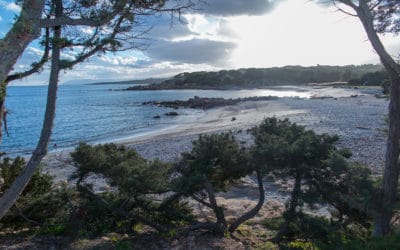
{"x": 358, "y": 120}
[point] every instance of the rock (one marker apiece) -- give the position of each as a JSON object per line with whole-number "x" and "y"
{"x": 172, "y": 113}
{"x": 157, "y": 117}
{"x": 104, "y": 188}
{"x": 206, "y": 103}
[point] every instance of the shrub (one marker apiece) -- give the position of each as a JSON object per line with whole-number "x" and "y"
{"x": 33, "y": 203}
{"x": 140, "y": 188}
{"x": 215, "y": 163}
{"x": 320, "y": 172}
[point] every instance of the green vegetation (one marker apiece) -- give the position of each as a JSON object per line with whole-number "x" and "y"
{"x": 378, "y": 78}
{"x": 152, "y": 197}
{"x": 254, "y": 77}
{"x": 320, "y": 173}
{"x": 139, "y": 187}
{"x": 215, "y": 163}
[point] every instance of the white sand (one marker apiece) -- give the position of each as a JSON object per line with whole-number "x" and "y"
{"x": 167, "y": 144}
{"x": 357, "y": 120}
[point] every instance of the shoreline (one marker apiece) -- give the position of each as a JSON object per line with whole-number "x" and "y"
{"x": 357, "y": 120}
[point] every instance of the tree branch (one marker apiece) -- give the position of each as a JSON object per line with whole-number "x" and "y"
{"x": 253, "y": 212}
{"x": 199, "y": 200}
{"x": 121, "y": 212}
{"x": 66, "y": 20}
{"x": 36, "y": 67}
{"x": 341, "y": 9}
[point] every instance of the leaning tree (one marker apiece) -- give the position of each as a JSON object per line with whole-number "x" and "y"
{"x": 383, "y": 16}
{"x": 114, "y": 26}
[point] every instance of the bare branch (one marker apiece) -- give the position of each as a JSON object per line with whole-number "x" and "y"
{"x": 36, "y": 67}
{"x": 199, "y": 200}
{"x": 341, "y": 9}
{"x": 375, "y": 5}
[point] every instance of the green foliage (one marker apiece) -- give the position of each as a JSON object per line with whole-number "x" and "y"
{"x": 312, "y": 232}
{"x": 89, "y": 219}
{"x": 377, "y": 78}
{"x": 40, "y": 203}
{"x": 125, "y": 168}
{"x": 254, "y": 77}
{"x": 56, "y": 230}
{"x": 321, "y": 174}
{"x": 371, "y": 79}
{"x": 124, "y": 245}
{"x": 273, "y": 223}
{"x": 11, "y": 168}
{"x": 139, "y": 188}
{"x": 344, "y": 240}
{"x": 309, "y": 227}
{"x": 268, "y": 246}
{"x": 304, "y": 245}
{"x": 286, "y": 148}
{"x": 372, "y": 243}
{"x": 217, "y": 158}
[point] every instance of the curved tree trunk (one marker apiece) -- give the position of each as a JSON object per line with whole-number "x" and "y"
{"x": 391, "y": 171}
{"x": 24, "y": 31}
{"x": 253, "y": 212}
{"x": 291, "y": 213}
{"x": 14, "y": 191}
{"x": 219, "y": 212}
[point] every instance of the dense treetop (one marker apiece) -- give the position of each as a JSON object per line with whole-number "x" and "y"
{"x": 260, "y": 77}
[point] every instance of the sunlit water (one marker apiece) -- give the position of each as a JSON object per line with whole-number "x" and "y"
{"x": 94, "y": 113}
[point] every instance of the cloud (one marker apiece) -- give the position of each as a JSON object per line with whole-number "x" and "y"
{"x": 194, "y": 51}
{"x": 30, "y": 56}
{"x": 166, "y": 29}
{"x": 225, "y": 30}
{"x": 10, "y": 6}
{"x": 1, "y": 18}
{"x": 236, "y": 7}
{"x": 119, "y": 60}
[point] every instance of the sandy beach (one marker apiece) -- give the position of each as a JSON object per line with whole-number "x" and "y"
{"x": 357, "y": 116}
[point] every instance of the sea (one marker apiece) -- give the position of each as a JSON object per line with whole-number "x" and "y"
{"x": 102, "y": 113}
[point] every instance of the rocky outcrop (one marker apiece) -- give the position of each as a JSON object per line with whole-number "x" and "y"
{"x": 206, "y": 102}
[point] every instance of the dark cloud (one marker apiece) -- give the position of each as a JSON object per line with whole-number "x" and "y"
{"x": 166, "y": 28}
{"x": 195, "y": 51}
{"x": 236, "y": 7}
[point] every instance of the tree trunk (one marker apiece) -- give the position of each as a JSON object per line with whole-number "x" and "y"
{"x": 391, "y": 171}
{"x": 24, "y": 31}
{"x": 14, "y": 191}
{"x": 291, "y": 213}
{"x": 219, "y": 212}
{"x": 253, "y": 212}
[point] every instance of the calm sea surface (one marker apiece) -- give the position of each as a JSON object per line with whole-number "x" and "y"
{"x": 95, "y": 113}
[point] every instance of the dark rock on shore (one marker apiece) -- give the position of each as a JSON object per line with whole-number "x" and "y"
{"x": 206, "y": 102}
{"x": 171, "y": 113}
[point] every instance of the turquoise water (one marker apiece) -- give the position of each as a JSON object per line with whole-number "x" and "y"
{"x": 95, "y": 113}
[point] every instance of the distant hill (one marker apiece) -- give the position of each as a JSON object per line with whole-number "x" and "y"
{"x": 136, "y": 82}
{"x": 79, "y": 82}
{"x": 262, "y": 77}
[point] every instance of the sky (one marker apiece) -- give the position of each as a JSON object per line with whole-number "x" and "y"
{"x": 223, "y": 34}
